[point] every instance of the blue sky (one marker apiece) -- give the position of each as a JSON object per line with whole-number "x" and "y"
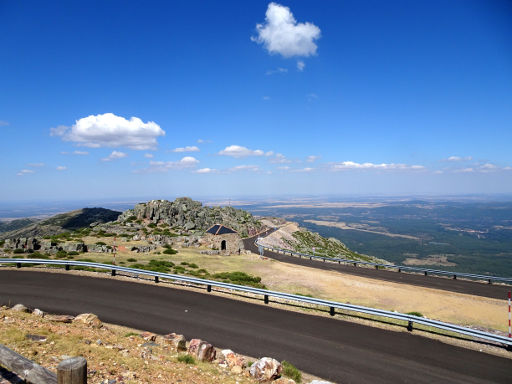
{"x": 159, "y": 99}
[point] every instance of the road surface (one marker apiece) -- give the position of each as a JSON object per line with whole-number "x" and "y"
{"x": 336, "y": 350}
{"x": 495, "y": 291}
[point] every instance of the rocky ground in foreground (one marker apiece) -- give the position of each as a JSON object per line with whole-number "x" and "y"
{"x": 118, "y": 355}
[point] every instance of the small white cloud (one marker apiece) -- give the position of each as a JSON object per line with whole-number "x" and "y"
{"x": 459, "y": 158}
{"x": 307, "y": 169}
{"x": 507, "y": 168}
{"x": 252, "y": 168}
{"x": 266, "y": 98}
{"x": 80, "y": 153}
{"x": 345, "y": 165}
{"x": 4, "y": 123}
{"x": 301, "y": 65}
{"x": 189, "y": 148}
{"x": 24, "y": 172}
{"x": 206, "y": 170}
{"x": 312, "y": 158}
{"x": 281, "y": 34}
{"x": 59, "y": 131}
{"x": 238, "y": 151}
{"x": 115, "y": 155}
{"x": 165, "y": 166}
{"x": 279, "y": 158}
{"x": 36, "y": 165}
{"x": 284, "y": 168}
{"x": 465, "y": 170}
{"x": 278, "y": 70}
{"x": 109, "y": 130}
{"x": 311, "y": 96}
{"x": 61, "y": 168}
{"x": 148, "y": 155}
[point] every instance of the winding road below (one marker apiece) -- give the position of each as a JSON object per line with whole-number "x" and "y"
{"x": 494, "y": 291}
{"x": 336, "y": 350}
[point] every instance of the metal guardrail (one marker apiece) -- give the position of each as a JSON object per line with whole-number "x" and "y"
{"x": 332, "y": 305}
{"x": 399, "y": 268}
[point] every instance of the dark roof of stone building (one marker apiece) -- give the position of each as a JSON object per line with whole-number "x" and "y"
{"x": 218, "y": 229}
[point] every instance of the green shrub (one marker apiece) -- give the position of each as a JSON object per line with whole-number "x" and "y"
{"x": 131, "y": 260}
{"x": 73, "y": 253}
{"x": 187, "y": 359}
{"x": 179, "y": 269}
{"x": 414, "y": 313}
{"x": 240, "y": 278}
{"x": 152, "y": 225}
{"x": 61, "y": 254}
{"x": 100, "y": 243}
{"x": 291, "y": 371}
{"x": 170, "y": 251}
{"x": 37, "y": 255}
{"x": 17, "y": 251}
{"x": 131, "y": 333}
{"x": 2, "y": 242}
{"x": 193, "y": 265}
{"x": 184, "y": 263}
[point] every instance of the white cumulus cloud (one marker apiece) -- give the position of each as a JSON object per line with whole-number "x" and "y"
{"x": 384, "y": 166}
{"x": 280, "y": 33}
{"x": 165, "y": 166}
{"x": 24, "y": 172}
{"x": 114, "y": 156}
{"x": 188, "y": 148}
{"x": 312, "y": 158}
{"x": 279, "y": 158}
{"x": 239, "y": 151}
{"x": 301, "y": 65}
{"x": 109, "y": 130}
{"x": 80, "y": 153}
{"x": 252, "y": 168}
{"x": 459, "y": 158}
{"x": 61, "y": 168}
{"x": 206, "y": 170}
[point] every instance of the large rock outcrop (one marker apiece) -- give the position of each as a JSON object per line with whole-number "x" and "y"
{"x": 192, "y": 215}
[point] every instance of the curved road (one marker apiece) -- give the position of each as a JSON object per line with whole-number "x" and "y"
{"x": 494, "y": 291}
{"x": 333, "y": 349}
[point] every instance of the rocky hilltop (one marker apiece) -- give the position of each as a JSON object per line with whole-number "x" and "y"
{"x": 191, "y": 215}
{"x": 65, "y": 222}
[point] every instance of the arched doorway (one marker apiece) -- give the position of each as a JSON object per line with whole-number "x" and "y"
{"x": 223, "y": 245}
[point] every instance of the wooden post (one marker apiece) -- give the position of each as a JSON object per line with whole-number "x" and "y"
{"x": 72, "y": 371}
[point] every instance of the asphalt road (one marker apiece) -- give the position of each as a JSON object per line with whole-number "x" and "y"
{"x": 495, "y": 291}
{"x": 335, "y": 350}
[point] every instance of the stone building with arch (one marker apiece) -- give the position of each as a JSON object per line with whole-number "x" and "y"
{"x": 224, "y": 239}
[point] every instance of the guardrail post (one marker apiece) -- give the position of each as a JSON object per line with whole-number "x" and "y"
{"x": 490, "y": 282}
{"x": 18, "y": 265}
{"x": 310, "y": 258}
{"x": 113, "y": 272}
{"x": 156, "y": 279}
{"x": 454, "y": 277}
{"x": 425, "y": 273}
{"x": 399, "y": 269}
{"x": 209, "y": 288}
{"x": 72, "y": 371}
{"x": 355, "y": 264}
{"x": 67, "y": 267}
{"x": 376, "y": 267}
{"x": 409, "y": 326}
{"x": 331, "y": 311}
{"x": 266, "y": 299}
